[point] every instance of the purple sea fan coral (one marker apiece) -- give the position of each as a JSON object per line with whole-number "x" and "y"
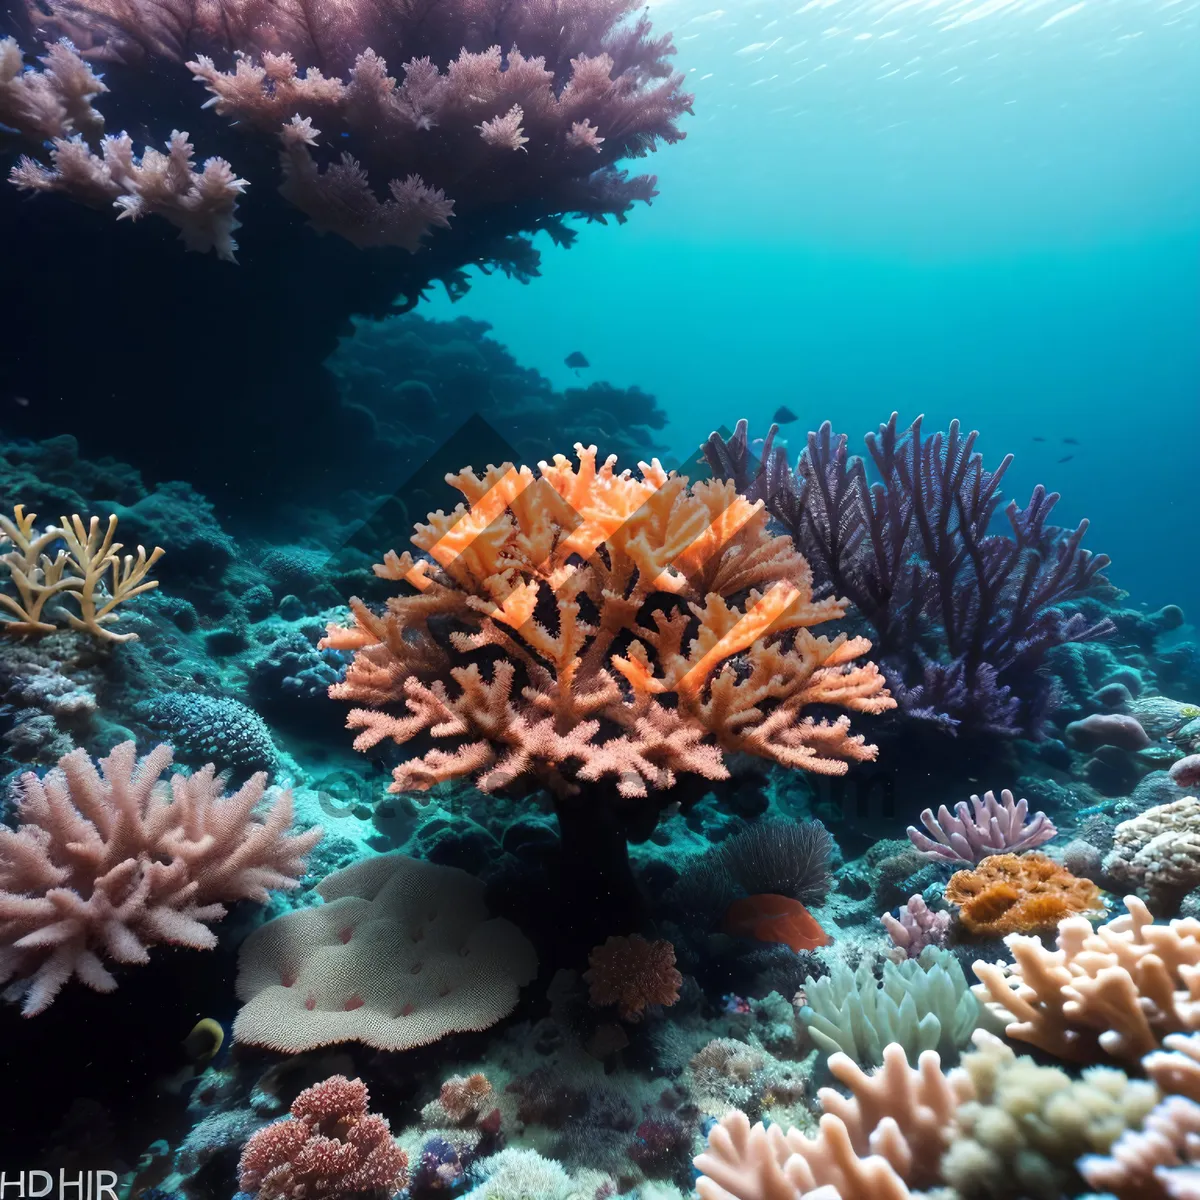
{"x": 962, "y": 616}
{"x": 985, "y": 827}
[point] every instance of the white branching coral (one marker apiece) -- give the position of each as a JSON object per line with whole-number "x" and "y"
{"x": 81, "y": 585}
{"x": 200, "y": 203}
{"x": 55, "y": 102}
{"x": 110, "y": 861}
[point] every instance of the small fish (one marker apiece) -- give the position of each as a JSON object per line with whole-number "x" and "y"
{"x": 576, "y": 361}
{"x": 1071, "y": 441}
{"x": 21, "y": 401}
{"x": 771, "y": 918}
{"x": 205, "y": 1040}
{"x": 1066, "y": 458}
{"x": 784, "y": 415}
{"x": 1039, "y": 439}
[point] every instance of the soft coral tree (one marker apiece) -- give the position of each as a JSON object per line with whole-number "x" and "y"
{"x": 603, "y": 637}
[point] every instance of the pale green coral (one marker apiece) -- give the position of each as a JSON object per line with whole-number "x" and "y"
{"x": 922, "y": 1004}
{"x": 516, "y": 1174}
{"x": 1025, "y": 1125}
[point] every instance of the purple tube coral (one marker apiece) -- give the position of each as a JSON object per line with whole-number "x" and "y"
{"x": 987, "y": 826}
{"x": 962, "y": 616}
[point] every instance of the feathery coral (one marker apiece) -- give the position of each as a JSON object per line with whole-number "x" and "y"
{"x": 111, "y": 861}
{"x": 633, "y": 973}
{"x": 622, "y": 656}
{"x": 988, "y": 826}
{"x": 89, "y": 573}
{"x": 331, "y": 1145}
{"x": 1114, "y": 991}
{"x": 1019, "y": 893}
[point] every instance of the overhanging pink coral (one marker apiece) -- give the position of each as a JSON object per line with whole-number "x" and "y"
{"x": 109, "y": 862}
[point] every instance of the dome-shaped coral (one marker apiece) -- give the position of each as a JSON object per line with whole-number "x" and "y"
{"x": 1019, "y": 893}
{"x": 633, "y": 973}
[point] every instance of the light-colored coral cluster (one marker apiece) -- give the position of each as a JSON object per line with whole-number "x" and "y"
{"x": 200, "y": 202}
{"x": 401, "y": 953}
{"x": 916, "y": 927}
{"x": 55, "y": 102}
{"x": 112, "y": 861}
{"x": 1019, "y": 893}
{"x": 70, "y": 573}
{"x": 330, "y": 1146}
{"x": 920, "y": 1004}
{"x": 592, "y": 683}
{"x": 1114, "y": 992}
{"x": 985, "y": 827}
{"x": 633, "y": 974}
{"x": 997, "y": 1126}
{"x": 1158, "y": 852}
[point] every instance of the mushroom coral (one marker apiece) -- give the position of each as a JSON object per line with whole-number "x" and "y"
{"x": 600, "y": 635}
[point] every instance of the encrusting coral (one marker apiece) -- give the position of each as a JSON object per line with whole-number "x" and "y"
{"x": 623, "y": 655}
{"x": 330, "y": 1146}
{"x": 83, "y": 583}
{"x": 112, "y": 861}
{"x": 987, "y": 826}
{"x": 401, "y": 953}
{"x": 1112, "y": 992}
{"x": 632, "y": 973}
{"x": 1019, "y": 893}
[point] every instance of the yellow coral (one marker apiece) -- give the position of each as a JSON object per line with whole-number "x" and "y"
{"x": 89, "y": 572}
{"x": 1019, "y": 893}
{"x": 645, "y": 627}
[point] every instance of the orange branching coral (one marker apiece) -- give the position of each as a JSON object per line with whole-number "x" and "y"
{"x": 591, "y": 625}
{"x": 633, "y": 973}
{"x": 1019, "y": 893}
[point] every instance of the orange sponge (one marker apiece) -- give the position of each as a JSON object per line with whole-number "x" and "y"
{"x": 1019, "y": 893}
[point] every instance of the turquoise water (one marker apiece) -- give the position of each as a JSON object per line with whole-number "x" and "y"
{"x": 988, "y": 211}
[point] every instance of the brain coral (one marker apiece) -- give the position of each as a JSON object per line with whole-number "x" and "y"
{"x": 400, "y": 954}
{"x": 1159, "y": 850}
{"x": 1019, "y": 893}
{"x": 633, "y": 973}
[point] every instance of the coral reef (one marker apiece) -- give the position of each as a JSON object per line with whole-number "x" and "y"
{"x": 1019, "y": 893}
{"x": 915, "y": 556}
{"x": 989, "y": 826}
{"x": 88, "y": 571}
{"x": 112, "y": 861}
{"x": 401, "y": 953}
{"x": 331, "y": 1145}
{"x": 632, "y": 973}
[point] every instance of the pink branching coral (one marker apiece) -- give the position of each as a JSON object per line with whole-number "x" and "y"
{"x": 916, "y": 927}
{"x": 331, "y": 1146}
{"x": 112, "y": 861}
{"x": 987, "y": 826}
